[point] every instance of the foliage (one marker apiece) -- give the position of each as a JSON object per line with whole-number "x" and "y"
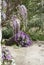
{"x": 35, "y": 9}
{"x": 7, "y": 33}
{"x": 37, "y": 36}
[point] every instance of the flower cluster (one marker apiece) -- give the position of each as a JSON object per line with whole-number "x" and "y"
{"x": 16, "y": 23}
{"x": 23, "y": 11}
{"x": 6, "y": 54}
{"x": 6, "y": 57}
{"x": 22, "y": 38}
{"x": 4, "y": 4}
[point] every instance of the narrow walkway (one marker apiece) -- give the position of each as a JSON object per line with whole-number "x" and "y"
{"x": 33, "y": 55}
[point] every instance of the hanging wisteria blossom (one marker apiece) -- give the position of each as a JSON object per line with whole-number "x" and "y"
{"x": 4, "y": 4}
{"x": 16, "y": 23}
{"x": 23, "y": 39}
{"x": 23, "y": 11}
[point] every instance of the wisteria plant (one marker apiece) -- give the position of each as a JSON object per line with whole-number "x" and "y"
{"x": 23, "y": 39}
{"x": 20, "y": 38}
{"x": 7, "y": 59}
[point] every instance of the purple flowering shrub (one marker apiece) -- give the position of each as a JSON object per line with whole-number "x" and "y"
{"x": 6, "y": 57}
{"x": 20, "y": 38}
{"x": 23, "y": 39}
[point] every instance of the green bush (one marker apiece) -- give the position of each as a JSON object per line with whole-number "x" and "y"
{"x": 7, "y": 33}
{"x": 36, "y": 36}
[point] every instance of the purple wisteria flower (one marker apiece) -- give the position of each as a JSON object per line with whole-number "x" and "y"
{"x": 4, "y": 4}
{"x": 3, "y": 56}
{"x": 6, "y": 54}
{"x": 16, "y": 23}
{"x": 8, "y": 57}
{"x": 20, "y": 38}
{"x": 23, "y": 11}
{"x": 23, "y": 39}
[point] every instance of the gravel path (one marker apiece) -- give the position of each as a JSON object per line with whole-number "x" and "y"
{"x": 33, "y": 55}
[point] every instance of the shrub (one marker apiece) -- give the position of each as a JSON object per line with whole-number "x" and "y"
{"x": 20, "y": 38}
{"x": 7, "y": 33}
{"x": 37, "y": 36}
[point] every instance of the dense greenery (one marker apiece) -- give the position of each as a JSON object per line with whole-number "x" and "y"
{"x": 7, "y": 33}
{"x": 35, "y": 20}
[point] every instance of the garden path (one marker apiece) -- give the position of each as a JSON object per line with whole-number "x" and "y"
{"x": 33, "y": 55}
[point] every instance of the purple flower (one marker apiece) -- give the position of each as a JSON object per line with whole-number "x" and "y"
{"x": 4, "y": 4}
{"x": 23, "y": 11}
{"x": 23, "y": 39}
{"x": 6, "y": 54}
{"x": 16, "y": 23}
{"x": 8, "y": 57}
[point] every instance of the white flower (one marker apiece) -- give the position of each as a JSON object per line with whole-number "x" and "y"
{"x": 13, "y": 62}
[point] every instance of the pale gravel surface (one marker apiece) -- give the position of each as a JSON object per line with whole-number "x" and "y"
{"x": 33, "y": 55}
